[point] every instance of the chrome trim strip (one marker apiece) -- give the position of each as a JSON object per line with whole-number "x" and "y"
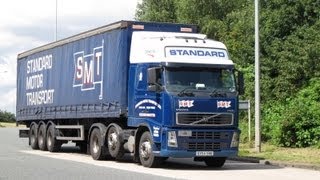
{"x": 208, "y": 113}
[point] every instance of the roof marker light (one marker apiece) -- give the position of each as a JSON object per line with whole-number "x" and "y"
{"x": 138, "y": 27}
{"x": 184, "y": 29}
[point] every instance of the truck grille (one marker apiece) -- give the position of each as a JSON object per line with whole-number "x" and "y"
{"x": 204, "y": 119}
{"x": 209, "y": 135}
{"x": 206, "y": 146}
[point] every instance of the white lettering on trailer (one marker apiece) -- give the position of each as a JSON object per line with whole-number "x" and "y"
{"x": 34, "y": 82}
{"x": 98, "y": 59}
{"x": 36, "y": 68}
{"x": 88, "y": 70}
{"x": 88, "y": 73}
{"x": 39, "y": 64}
{"x": 40, "y": 97}
{"x": 79, "y": 67}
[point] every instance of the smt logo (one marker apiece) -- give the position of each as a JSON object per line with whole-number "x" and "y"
{"x": 186, "y": 103}
{"x": 223, "y": 104}
{"x": 89, "y": 69}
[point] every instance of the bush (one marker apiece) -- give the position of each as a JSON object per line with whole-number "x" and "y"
{"x": 7, "y": 116}
{"x": 295, "y": 123}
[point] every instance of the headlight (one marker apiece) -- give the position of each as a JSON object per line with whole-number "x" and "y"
{"x": 172, "y": 139}
{"x": 235, "y": 140}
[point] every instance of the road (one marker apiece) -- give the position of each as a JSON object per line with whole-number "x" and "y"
{"x": 18, "y": 161}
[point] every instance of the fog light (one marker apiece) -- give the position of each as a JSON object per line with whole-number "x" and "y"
{"x": 235, "y": 140}
{"x": 172, "y": 139}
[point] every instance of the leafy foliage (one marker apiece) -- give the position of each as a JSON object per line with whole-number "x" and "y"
{"x": 295, "y": 123}
{"x": 7, "y": 116}
{"x": 289, "y": 55}
{"x": 154, "y": 10}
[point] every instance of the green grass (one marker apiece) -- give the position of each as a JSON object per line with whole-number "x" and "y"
{"x": 290, "y": 155}
{"x": 8, "y": 125}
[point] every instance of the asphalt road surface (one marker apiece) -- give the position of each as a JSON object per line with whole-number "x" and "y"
{"x": 18, "y": 161}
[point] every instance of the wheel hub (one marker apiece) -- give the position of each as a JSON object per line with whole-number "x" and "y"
{"x": 95, "y": 146}
{"x": 40, "y": 138}
{"x": 113, "y": 140}
{"x": 145, "y": 149}
{"x": 49, "y": 140}
{"x": 33, "y": 137}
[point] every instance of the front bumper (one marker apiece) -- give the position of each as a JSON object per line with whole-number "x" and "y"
{"x": 188, "y": 154}
{"x": 216, "y": 142}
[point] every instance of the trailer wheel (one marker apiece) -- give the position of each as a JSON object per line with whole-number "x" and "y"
{"x": 53, "y": 144}
{"x": 115, "y": 145}
{"x": 97, "y": 150}
{"x": 33, "y": 137}
{"x": 216, "y": 162}
{"x": 146, "y": 155}
{"x": 42, "y": 137}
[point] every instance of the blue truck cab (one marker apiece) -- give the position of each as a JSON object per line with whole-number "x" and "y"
{"x": 182, "y": 87}
{"x": 154, "y": 90}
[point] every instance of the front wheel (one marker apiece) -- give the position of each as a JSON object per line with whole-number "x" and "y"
{"x": 146, "y": 155}
{"x": 216, "y": 162}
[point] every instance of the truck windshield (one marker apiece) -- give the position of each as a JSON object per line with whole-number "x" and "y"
{"x": 209, "y": 80}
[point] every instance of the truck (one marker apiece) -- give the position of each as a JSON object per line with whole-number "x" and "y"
{"x": 146, "y": 89}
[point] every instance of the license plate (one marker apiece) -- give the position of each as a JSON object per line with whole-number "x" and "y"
{"x": 204, "y": 153}
{"x": 184, "y": 133}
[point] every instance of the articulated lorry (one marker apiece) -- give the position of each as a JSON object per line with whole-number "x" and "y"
{"x": 151, "y": 90}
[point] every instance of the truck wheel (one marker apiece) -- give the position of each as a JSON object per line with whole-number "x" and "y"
{"x": 115, "y": 146}
{"x": 42, "y": 137}
{"x": 52, "y": 143}
{"x": 98, "y": 151}
{"x": 33, "y": 137}
{"x": 215, "y": 162}
{"x": 146, "y": 155}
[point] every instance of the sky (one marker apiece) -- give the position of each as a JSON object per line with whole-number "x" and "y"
{"x": 26, "y": 24}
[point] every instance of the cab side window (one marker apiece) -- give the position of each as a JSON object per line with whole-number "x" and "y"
{"x": 141, "y": 78}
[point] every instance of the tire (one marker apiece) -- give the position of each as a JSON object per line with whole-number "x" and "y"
{"x": 146, "y": 156}
{"x": 53, "y": 144}
{"x": 216, "y": 162}
{"x": 97, "y": 151}
{"x": 115, "y": 146}
{"x": 42, "y": 137}
{"x": 33, "y": 137}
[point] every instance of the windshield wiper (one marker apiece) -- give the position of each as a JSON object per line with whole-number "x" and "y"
{"x": 216, "y": 92}
{"x": 183, "y": 92}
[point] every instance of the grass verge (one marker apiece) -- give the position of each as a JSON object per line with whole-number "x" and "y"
{"x": 7, "y": 124}
{"x": 289, "y": 155}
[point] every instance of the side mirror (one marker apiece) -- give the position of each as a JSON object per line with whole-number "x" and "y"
{"x": 154, "y": 74}
{"x": 240, "y": 83}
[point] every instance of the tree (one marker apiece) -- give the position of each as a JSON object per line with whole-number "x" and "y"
{"x": 155, "y": 10}
{"x": 289, "y": 45}
{"x": 7, "y": 116}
